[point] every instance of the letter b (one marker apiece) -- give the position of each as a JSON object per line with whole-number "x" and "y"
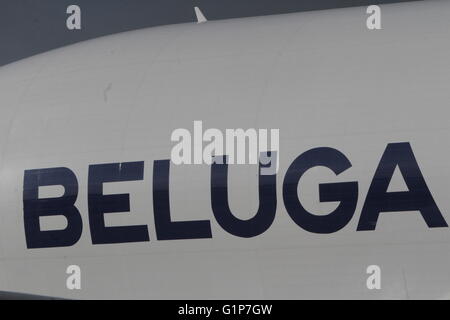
{"x": 34, "y": 208}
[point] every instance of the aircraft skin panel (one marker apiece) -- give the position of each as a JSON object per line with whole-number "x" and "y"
{"x": 322, "y": 78}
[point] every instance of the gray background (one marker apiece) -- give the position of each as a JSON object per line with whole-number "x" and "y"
{"x": 28, "y": 27}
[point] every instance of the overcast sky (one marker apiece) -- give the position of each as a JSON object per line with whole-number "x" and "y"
{"x": 28, "y": 27}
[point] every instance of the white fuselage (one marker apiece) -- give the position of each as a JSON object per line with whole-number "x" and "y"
{"x": 322, "y": 78}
